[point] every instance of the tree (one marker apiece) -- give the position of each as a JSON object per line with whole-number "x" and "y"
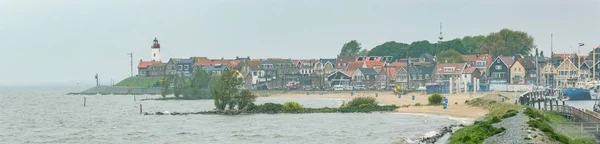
{"x": 244, "y": 99}
{"x": 391, "y": 48}
{"x": 363, "y": 52}
{"x": 351, "y": 48}
{"x": 226, "y": 90}
{"x": 455, "y": 44}
{"x": 165, "y": 84}
{"x": 449, "y": 56}
{"x": 507, "y": 42}
{"x": 198, "y": 86}
{"x": 542, "y": 53}
{"x": 472, "y": 43}
{"x": 417, "y": 48}
{"x": 178, "y": 85}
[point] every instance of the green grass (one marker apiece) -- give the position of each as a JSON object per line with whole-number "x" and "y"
{"x": 543, "y": 121}
{"x": 481, "y": 130}
{"x": 139, "y": 81}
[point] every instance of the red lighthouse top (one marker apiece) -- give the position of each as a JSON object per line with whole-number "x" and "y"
{"x": 156, "y": 44}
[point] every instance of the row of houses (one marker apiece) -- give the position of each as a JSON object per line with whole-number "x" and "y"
{"x": 383, "y": 72}
{"x": 275, "y": 73}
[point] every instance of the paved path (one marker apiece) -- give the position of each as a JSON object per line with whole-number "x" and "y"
{"x": 516, "y": 131}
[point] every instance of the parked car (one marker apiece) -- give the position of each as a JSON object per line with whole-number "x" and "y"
{"x": 349, "y": 88}
{"x": 339, "y": 87}
{"x": 359, "y": 87}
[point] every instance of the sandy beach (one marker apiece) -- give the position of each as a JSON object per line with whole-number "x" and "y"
{"x": 456, "y": 102}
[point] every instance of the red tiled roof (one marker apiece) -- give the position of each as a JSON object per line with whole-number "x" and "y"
{"x": 146, "y": 64}
{"x": 213, "y": 62}
{"x": 482, "y": 57}
{"x": 354, "y": 65}
{"x": 507, "y": 60}
{"x": 345, "y": 60}
{"x": 397, "y": 64}
{"x": 371, "y": 64}
{"x": 295, "y": 61}
{"x": 470, "y": 70}
{"x": 458, "y": 68}
{"x": 391, "y": 72}
{"x": 564, "y": 56}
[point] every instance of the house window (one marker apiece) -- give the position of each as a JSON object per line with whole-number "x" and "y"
{"x": 426, "y": 76}
{"x": 481, "y": 63}
{"x": 498, "y": 67}
{"x": 180, "y": 67}
{"x": 448, "y": 69}
{"x": 546, "y": 69}
{"x": 187, "y": 67}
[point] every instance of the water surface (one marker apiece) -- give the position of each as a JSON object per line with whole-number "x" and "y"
{"x": 52, "y": 117}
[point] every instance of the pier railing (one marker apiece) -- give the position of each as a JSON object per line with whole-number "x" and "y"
{"x": 587, "y": 122}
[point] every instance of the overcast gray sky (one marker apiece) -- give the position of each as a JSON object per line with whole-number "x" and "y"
{"x": 68, "y": 41}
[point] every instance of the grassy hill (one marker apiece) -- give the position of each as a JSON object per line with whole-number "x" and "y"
{"x": 139, "y": 81}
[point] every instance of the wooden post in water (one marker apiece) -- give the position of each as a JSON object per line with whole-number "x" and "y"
{"x": 140, "y": 108}
{"x": 84, "y": 101}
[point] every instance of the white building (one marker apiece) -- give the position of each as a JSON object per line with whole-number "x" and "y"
{"x": 155, "y": 50}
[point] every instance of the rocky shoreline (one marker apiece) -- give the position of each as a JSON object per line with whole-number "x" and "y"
{"x": 443, "y": 131}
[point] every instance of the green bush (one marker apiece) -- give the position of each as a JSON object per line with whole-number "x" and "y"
{"x": 476, "y": 133}
{"x": 292, "y": 107}
{"x": 365, "y": 106}
{"x": 355, "y": 102}
{"x": 435, "y": 99}
{"x": 495, "y": 119}
{"x": 265, "y": 108}
{"x": 509, "y": 113}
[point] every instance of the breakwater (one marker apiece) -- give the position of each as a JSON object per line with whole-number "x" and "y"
{"x": 443, "y": 131}
{"x": 116, "y": 90}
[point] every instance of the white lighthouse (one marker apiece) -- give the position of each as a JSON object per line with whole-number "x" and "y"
{"x": 155, "y": 50}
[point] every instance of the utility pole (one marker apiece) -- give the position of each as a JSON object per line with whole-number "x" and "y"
{"x": 97, "y": 84}
{"x": 537, "y": 71}
{"x": 551, "y": 61}
{"x": 131, "y": 61}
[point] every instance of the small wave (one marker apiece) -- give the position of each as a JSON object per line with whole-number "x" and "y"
{"x": 277, "y": 136}
{"x": 404, "y": 140}
{"x": 429, "y": 134}
{"x": 186, "y": 133}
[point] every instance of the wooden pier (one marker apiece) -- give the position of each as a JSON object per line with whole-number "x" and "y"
{"x": 585, "y": 121}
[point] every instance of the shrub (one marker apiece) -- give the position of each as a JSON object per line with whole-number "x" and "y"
{"x": 509, "y": 113}
{"x": 495, "y": 120}
{"x": 418, "y": 104}
{"x": 365, "y": 106}
{"x": 267, "y": 108}
{"x": 362, "y": 100}
{"x": 292, "y": 107}
{"x": 435, "y": 99}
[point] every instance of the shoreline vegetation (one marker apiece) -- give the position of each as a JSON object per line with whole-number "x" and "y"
{"x": 356, "y": 105}
{"x": 481, "y": 130}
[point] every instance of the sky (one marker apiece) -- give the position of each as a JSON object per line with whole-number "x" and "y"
{"x": 66, "y": 42}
